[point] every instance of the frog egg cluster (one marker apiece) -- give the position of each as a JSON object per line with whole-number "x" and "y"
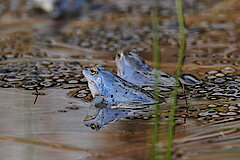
{"x": 214, "y": 61}
{"x": 218, "y": 85}
{"x": 41, "y": 74}
{"x": 112, "y": 37}
{"x": 218, "y": 112}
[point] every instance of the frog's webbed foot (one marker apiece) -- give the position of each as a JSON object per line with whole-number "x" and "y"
{"x": 98, "y": 101}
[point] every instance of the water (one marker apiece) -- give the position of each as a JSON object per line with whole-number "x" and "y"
{"x": 32, "y": 43}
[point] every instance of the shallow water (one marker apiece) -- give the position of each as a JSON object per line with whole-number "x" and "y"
{"x": 53, "y": 127}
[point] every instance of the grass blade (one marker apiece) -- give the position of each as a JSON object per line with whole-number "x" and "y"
{"x": 180, "y": 62}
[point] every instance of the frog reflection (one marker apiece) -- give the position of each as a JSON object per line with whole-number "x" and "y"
{"x": 99, "y": 117}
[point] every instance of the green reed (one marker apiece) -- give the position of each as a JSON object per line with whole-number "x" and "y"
{"x": 156, "y": 55}
{"x": 180, "y": 62}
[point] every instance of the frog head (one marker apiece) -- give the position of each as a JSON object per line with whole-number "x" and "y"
{"x": 91, "y": 119}
{"x": 130, "y": 61}
{"x": 99, "y": 79}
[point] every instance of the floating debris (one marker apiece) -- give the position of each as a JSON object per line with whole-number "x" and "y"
{"x": 72, "y": 107}
{"x": 61, "y": 110}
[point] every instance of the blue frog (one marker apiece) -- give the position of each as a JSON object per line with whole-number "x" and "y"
{"x": 108, "y": 88}
{"x": 131, "y": 67}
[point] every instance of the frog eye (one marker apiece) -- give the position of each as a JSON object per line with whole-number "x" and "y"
{"x": 93, "y": 71}
{"x": 119, "y": 55}
{"x": 94, "y": 127}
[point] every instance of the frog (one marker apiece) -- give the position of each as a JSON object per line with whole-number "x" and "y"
{"x": 131, "y": 67}
{"x": 108, "y": 88}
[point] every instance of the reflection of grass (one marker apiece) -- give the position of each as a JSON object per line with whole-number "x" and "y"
{"x": 156, "y": 55}
{"x": 180, "y": 63}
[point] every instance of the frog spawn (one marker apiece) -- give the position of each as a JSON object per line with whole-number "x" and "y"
{"x": 218, "y": 84}
{"x": 219, "y": 112}
{"x": 40, "y": 74}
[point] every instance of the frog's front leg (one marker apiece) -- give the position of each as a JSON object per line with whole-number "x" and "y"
{"x": 98, "y": 101}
